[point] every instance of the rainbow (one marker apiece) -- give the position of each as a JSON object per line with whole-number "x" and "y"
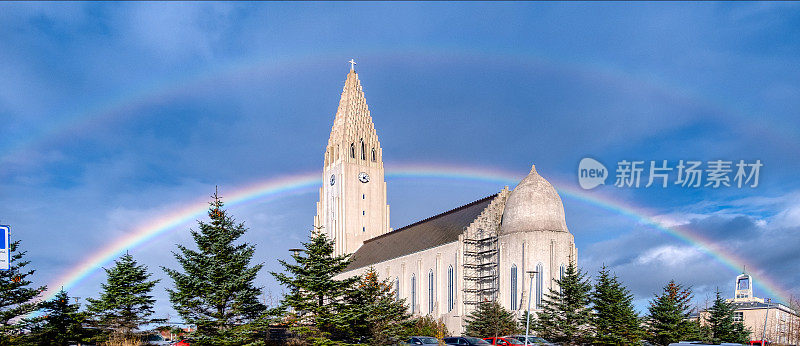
{"x": 295, "y": 184}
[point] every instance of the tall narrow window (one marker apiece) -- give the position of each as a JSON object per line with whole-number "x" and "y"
{"x": 397, "y": 288}
{"x": 513, "y": 287}
{"x": 560, "y": 276}
{"x": 451, "y": 289}
{"x": 539, "y": 275}
{"x": 373, "y": 155}
{"x": 413, "y": 293}
{"x": 430, "y": 291}
{"x": 363, "y": 151}
{"x": 352, "y": 150}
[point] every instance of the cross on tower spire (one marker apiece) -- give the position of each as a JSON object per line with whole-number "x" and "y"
{"x": 352, "y": 65}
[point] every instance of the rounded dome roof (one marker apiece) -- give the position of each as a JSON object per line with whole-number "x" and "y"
{"x": 534, "y": 205}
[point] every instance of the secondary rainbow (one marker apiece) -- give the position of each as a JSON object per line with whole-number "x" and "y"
{"x": 127, "y": 103}
{"x": 295, "y": 184}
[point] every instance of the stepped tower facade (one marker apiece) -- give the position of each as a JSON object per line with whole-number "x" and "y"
{"x": 352, "y": 201}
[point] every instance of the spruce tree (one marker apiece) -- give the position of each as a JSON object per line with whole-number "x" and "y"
{"x": 372, "y": 313}
{"x": 17, "y": 299}
{"x": 215, "y": 290}
{"x": 61, "y": 323}
{"x": 315, "y": 297}
{"x": 615, "y": 321}
{"x": 668, "y": 316}
{"x": 126, "y": 301}
{"x": 722, "y": 328}
{"x": 566, "y": 316}
{"x": 490, "y": 320}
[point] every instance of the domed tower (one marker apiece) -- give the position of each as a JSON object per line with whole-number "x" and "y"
{"x": 533, "y": 237}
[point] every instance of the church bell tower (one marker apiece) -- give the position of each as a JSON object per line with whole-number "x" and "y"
{"x": 352, "y": 201}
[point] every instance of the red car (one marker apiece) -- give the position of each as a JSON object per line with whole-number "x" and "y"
{"x": 503, "y": 341}
{"x": 184, "y": 342}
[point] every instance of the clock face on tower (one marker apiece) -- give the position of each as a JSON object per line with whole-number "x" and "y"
{"x": 363, "y": 177}
{"x": 333, "y": 179}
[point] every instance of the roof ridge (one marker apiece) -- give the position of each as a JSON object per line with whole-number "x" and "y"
{"x": 433, "y": 217}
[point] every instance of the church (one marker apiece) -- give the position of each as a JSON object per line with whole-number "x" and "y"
{"x": 446, "y": 264}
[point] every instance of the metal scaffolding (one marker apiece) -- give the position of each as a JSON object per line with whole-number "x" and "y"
{"x": 480, "y": 268}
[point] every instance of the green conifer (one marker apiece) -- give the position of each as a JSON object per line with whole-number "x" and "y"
{"x": 490, "y": 319}
{"x": 722, "y": 328}
{"x": 61, "y": 323}
{"x": 372, "y": 313}
{"x": 17, "y": 299}
{"x": 668, "y": 316}
{"x": 126, "y": 301}
{"x": 216, "y": 290}
{"x": 615, "y": 321}
{"x": 566, "y": 316}
{"x": 315, "y": 297}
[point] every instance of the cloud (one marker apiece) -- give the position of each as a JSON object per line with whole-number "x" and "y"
{"x": 669, "y": 255}
{"x": 178, "y": 31}
{"x": 646, "y": 259}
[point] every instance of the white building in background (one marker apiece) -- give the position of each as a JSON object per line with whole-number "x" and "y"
{"x": 768, "y": 321}
{"x": 446, "y": 264}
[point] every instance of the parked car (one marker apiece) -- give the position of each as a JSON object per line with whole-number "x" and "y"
{"x": 421, "y": 340}
{"x": 532, "y": 340}
{"x": 156, "y": 339}
{"x": 503, "y": 341}
{"x": 464, "y": 340}
{"x": 185, "y": 342}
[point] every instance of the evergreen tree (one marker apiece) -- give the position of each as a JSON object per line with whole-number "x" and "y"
{"x": 371, "y": 313}
{"x": 490, "y": 320}
{"x": 61, "y": 323}
{"x": 216, "y": 290}
{"x": 17, "y": 299}
{"x": 523, "y": 322}
{"x": 615, "y": 321}
{"x": 722, "y": 328}
{"x": 566, "y": 316}
{"x": 314, "y": 295}
{"x": 126, "y": 301}
{"x": 668, "y": 316}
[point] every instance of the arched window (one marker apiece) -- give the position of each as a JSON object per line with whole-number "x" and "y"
{"x": 430, "y": 292}
{"x": 413, "y": 293}
{"x": 363, "y": 151}
{"x": 513, "y": 287}
{"x": 451, "y": 289}
{"x": 352, "y": 150}
{"x": 397, "y": 288}
{"x": 373, "y": 155}
{"x": 539, "y": 275}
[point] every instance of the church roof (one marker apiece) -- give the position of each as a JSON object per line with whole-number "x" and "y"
{"x": 422, "y": 235}
{"x": 761, "y": 305}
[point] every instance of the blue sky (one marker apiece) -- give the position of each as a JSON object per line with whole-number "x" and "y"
{"x": 116, "y": 113}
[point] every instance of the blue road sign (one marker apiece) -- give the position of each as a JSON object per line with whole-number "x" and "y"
{"x": 5, "y": 247}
